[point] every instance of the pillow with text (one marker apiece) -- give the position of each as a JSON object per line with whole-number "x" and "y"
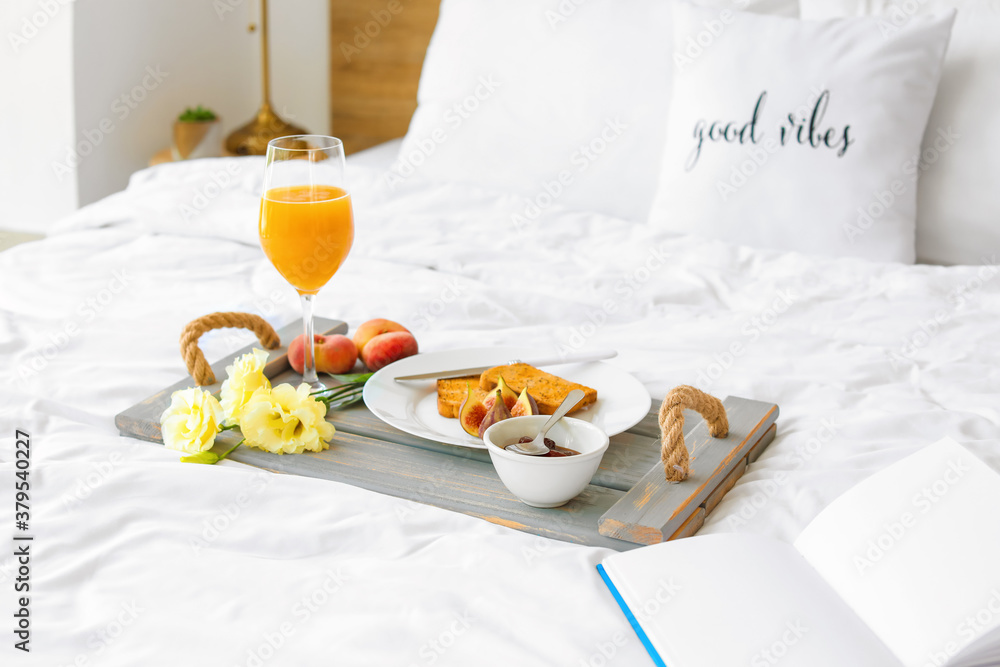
{"x": 797, "y": 135}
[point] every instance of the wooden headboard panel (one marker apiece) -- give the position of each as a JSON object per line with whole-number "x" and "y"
{"x": 376, "y": 55}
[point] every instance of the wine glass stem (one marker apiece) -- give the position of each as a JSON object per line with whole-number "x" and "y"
{"x": 309, "y": 363}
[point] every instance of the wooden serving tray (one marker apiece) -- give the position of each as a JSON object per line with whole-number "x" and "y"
{"x": 626, "y": 504}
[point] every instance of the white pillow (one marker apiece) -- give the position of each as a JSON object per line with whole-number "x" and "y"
{"x": 839, "y": 191}
{"x": 958, "y": 210}
{"x": 561, "y": 101}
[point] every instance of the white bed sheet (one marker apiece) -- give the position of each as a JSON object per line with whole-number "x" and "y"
{"x": 379, "y": 157}
{"x": 867, "y": 361}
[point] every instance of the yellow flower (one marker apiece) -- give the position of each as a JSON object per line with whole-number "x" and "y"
{"x": 246, "y": 376}
{"x": 192, "y": 421}
{"x": 286, "y": 420}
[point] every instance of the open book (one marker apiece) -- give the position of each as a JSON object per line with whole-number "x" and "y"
{"x": 902, "y": 570}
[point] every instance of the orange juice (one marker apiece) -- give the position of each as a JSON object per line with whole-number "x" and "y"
{"x": 306, "y": 231}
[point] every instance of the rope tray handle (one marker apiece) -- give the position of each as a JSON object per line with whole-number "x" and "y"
{"x": 673, "y": 451}
{"x": 195, "y": 361}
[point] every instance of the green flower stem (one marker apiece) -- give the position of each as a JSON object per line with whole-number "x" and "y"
{"x": 334, "y": 397}
{"x": 330, "y": 407}
{"x": 344, "y": 394}
{"x": 208, "y": 457}
{"x": 355, "y": 381}
{"x": 326, "y": 393}
{"x": 357, "y": 378}
{"x": 232, "y": 449}
{"x": 335, "y": 391}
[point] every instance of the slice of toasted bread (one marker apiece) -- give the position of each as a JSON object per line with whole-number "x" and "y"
{"x": 548, "y": 390}
{"x": 452, "y": 391}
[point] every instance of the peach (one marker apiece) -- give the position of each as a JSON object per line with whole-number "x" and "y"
{"x": 386, "y": 348}
{"x": 334, "y": 354}
{"x": 373, "y": 328}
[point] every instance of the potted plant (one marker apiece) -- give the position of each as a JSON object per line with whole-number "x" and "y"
{"x": 197, "y": 133}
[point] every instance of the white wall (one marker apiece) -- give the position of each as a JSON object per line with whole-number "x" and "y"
{"x": 135, "y": 65}
{"x": 36, "y": 111}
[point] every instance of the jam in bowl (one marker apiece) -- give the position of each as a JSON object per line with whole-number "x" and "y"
{"x": 555, "y": 451}
{"x": 551, "y": 480}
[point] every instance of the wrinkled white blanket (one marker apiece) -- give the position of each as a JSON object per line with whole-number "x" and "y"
{"x": 140, "y": 560}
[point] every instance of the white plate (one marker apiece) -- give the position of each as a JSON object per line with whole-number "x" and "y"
{"x": 622, "y": 401}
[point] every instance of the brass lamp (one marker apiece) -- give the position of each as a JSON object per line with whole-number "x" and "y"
{"x": 252, "y": 138}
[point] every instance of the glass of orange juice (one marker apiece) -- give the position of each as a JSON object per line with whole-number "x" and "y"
{"x": 306, "y": 221}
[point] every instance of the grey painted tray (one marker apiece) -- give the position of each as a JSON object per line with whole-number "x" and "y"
{"x": 370, "y": 454}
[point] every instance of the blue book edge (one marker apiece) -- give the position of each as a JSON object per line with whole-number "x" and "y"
{"x": 633, "y": 621}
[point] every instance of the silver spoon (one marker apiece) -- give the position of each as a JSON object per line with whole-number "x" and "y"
{"x": 536, "y": 446}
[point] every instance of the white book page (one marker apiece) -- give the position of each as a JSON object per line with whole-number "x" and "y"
{"x": 915, "y": 551}
{"x": 740, "y": 600}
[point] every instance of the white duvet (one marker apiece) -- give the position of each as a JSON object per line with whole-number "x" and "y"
{"x": 140, "y": 560}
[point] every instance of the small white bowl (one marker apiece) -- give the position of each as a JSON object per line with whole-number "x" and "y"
{"x": 542, "y": 481}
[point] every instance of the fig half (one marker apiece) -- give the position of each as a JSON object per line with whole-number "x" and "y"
{"x": 497, "y": 413}
{"x": 472, "y": 412}
{"x": 509, "y": 397}
{"x": 525, "y": 405}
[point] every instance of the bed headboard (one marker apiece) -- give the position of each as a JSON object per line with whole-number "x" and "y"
{"x": 377, "y": 50}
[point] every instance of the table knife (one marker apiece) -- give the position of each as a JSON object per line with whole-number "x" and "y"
{"x": 555, "y": 360}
